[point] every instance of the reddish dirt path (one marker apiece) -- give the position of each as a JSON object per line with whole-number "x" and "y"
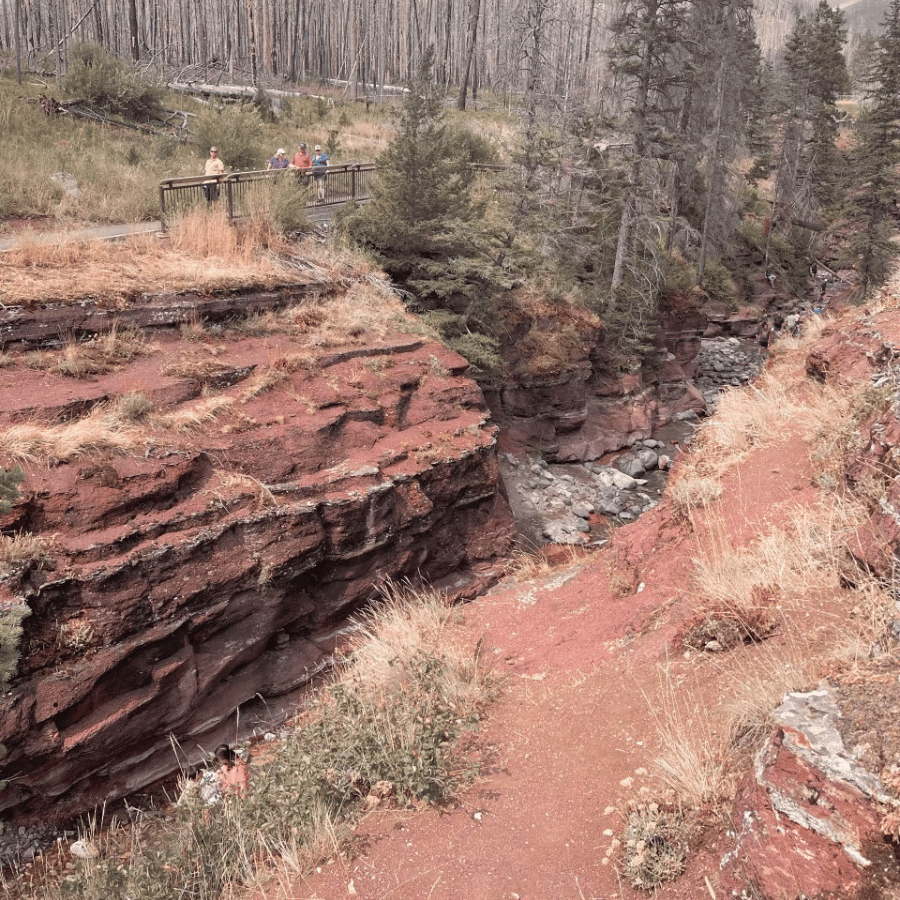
{"x": 567, "y": 731}
{"x": 579, "y": 650}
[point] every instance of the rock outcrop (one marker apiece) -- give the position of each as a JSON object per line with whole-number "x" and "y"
{"x": 806, "y": 822}
{"x": 588, "y": 410}
{"x": 212, "y": 512}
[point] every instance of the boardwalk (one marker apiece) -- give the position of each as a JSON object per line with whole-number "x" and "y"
{"x": 240, "y": 190}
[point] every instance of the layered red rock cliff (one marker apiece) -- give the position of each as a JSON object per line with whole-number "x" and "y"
{"x": 200, "y": 573}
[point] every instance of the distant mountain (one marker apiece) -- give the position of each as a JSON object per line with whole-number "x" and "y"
{"x": 864, "y": 15}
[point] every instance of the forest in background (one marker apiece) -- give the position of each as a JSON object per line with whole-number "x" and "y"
{"x": 367, "y": 43}
{"x": 688, "y": 160}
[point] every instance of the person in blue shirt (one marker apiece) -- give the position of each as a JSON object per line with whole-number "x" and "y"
{"x": 279, "y": 160}
{"x": 319, "y": 165}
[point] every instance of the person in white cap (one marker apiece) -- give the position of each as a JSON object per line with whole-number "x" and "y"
{"x": 214, "y": 168}
{"x": 279, "y": 160}
{"x": 319, "y": 165}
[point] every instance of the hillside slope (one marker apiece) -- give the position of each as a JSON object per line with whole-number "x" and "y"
{"x": 642, "y": 682}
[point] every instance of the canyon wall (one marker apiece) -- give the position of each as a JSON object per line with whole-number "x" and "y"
{"x": 591, "y": 408}
{"x": 215, "y": 507}
{"x": 202, "y": 554}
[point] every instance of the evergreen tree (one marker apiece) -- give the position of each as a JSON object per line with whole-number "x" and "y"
{"x": 815, "y": 75}
{"x": 876, "y": 189}
{"x": 423, "y": 225}
{"x": 647, "y": 37}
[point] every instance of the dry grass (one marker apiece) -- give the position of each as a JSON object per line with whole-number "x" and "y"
{"x": 692, "y": 492}
{"x": 262, "y": 382}
{"x": 407, "y": 624}
{"x": 757, "y": 685}
{"x": 99, "y": 432}
{"x": 693, "y": 759}
{"x": 23, "y": 549}
{"x": 117, "y": 428}
{"x": 838, "y": 437}
{"x": 529, "y": 564}
{"x": 742, "y": 592}
{"x": 115, "y": 274}
{"x": 247, "y": 484}
{"x": 199, "y": 364}
{"x": 208, "y": 234}
{"x": 194, "y": 417}
{"x": 105, "y": 353}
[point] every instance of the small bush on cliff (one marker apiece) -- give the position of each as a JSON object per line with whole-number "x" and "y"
{"x": 10, "y": 479}
{"x": 719, "y": 284}
{"x": 11, "y": 618}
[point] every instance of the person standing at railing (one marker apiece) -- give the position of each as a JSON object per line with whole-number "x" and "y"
{"x": 214, "y": 168}
{"x": 319, "y": 167}
{"x": 279, "y": 160}
{"x": 301, "y": 159}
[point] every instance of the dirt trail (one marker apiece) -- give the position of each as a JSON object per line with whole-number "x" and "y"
{"x": 577, "y": 726}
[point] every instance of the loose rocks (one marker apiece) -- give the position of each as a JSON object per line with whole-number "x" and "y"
{"x": 726, "y": 362}
{"x": 556, "y": 503}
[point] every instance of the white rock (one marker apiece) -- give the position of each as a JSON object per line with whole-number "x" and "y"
{"x": 83, "y": 849}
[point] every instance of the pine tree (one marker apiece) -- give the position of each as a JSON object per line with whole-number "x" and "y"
{"x": 647, "y": 36}
{"x": 874, "y": 160}
{"x": 815, "y": 75}
{"x": 422, "y": 225}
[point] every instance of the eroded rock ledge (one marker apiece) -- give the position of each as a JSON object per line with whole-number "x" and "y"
{"x": 211, "y": 569}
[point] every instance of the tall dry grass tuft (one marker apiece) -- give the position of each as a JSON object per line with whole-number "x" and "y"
{"x": 687, "y": 492}
{"x": 108, "y": 351}
{"x": 693, "y": 759}
{"x": 742, "y": 593}
{"x": 757, "y": 684}
{"x": 23, "y": 549}
{"x": 98, "y": 432}
{"x": 408, "y": 625}
{"x": 193, "y": 417}
{"x": 205, "y": 232}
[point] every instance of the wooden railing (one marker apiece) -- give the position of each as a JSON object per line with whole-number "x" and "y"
{"x": 340, "y": 184}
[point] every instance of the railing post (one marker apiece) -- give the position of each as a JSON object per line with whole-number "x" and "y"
{"x": 230, "y": 197}
{"x": 162, "y": 205}
{"x": 353, "y": 183}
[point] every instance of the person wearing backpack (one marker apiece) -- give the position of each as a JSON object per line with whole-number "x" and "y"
{"x": 319, "y": 166}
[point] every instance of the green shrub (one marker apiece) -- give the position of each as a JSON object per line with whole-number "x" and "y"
{"x": 10, "y": 479}
{"x": 474, "y": 146}
{"x": 321, "y": 108}
{"x": 719, "y": 284}
{"x": 679, "y": 276}
{"x": 263, "y": 104}
{"x": 287, "y": 203}
{"x": 110, "y": 84}
{"x": 333, "y": 144}
{"x": 236, "y": 130}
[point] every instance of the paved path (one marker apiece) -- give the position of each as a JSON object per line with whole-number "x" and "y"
{"x": 86, "y": 233}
